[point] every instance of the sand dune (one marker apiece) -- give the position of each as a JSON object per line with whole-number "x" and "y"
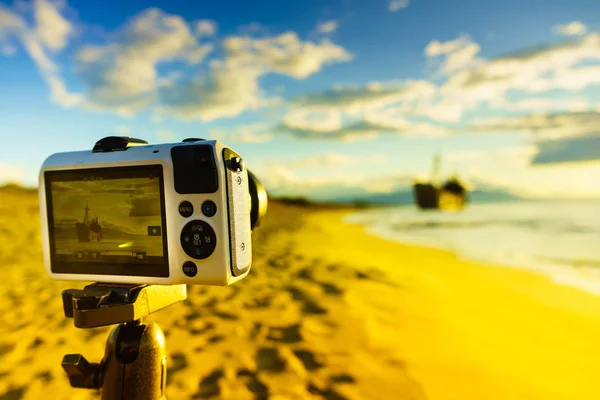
{"x": 326, "y": 312}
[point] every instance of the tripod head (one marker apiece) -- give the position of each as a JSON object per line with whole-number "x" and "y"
{"x": 135, "y": 359}
{"x": 102, "y": 304}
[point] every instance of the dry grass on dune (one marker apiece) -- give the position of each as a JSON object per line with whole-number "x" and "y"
{"x": 283, "y": 332}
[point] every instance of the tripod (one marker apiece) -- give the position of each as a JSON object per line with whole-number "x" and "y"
{"x": 135, "y": 358}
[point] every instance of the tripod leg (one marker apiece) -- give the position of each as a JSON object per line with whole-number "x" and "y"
{"x": 135, "y": 363}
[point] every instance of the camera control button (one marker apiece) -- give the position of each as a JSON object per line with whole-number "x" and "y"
{"x": 190, "y": 269}
{"x": 198, "y": 239}
{"x": 209, "y": 208}
{"x": 186, "y": 209}
{"x": 237, "y": 164}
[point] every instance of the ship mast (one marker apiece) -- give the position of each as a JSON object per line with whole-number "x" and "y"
{"x": 436, "y": 169}
{"x": 86, "y": 220}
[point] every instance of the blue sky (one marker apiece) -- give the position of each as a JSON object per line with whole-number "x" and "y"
{"x": 323, "y": 98}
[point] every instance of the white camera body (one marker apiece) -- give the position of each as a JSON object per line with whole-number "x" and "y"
{"x": 129, "y": 212}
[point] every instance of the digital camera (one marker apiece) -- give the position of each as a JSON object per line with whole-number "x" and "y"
{"x": 130, "y": 212}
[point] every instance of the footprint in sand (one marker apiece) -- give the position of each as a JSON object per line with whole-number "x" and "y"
{"x": 250, "y": 379}
{"x": 269, "y": 359}
{"x": 309, "y": 306}
{"x": 178, "y": 363}
{"x": 287, "y": 334}
{"x": 327, "y": 393}
{"x": 343, "y": 378}
{"x": 308, "y": 359}
{"x": 13, "y": 394}
{"x": 205, "y": 328}
{"x": 209, "y": 385}
{"x": 45, "y": 376}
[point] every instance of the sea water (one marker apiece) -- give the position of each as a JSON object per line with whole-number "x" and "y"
{"x": 559, "y": 239}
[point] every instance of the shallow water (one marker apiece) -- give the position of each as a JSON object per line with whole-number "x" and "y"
{"x": 561, "y": 239}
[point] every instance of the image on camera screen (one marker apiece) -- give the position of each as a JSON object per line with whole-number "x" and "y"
{"x": 108, "y": 217}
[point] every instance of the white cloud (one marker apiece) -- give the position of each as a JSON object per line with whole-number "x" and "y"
{"x": 328, "y": 27}
{"x": 206, "y": 27}
{"x": 576, "y": 78}
{"x": 442, "y": 110}
{"x": 232, "y": 85}
{"x": 360, "y": 130}
{"x": 575, "y": 28}
{"x": 520, "y": 155}
{"x": 52, "y": 28}
{"x": 569, "y": 149}
{"x": 322, "y": 161}
{"x": 369, "y": 127}
{"x": 12, "y": 28}
{"x": 358, "y": 99}
{"x": 473, "y": 82}
{"x": 123, "y": 75}
{"x": 36, "y": 40}
{"x": 122, "y": 130}
{"x": 572, "y": 181}
{"x": 10, "y": 22}
{"x": 516, "y": 170}
{"x": 11, "y": 174}
{"x": 533, "y": 71}
{"x": 469, "y": 83}
{"x": 359, "y": 112}
{"x": 395, "y": 5}
{"x": 544, "y": 125}
{"x": 59, "y": 94}
{"x": 535, "y": 104}
{"x": 457, "y": 54}
{"x": 165, "y": 135}
{"x": 250, "y": 133}
{"x": 37, "y": 52}
{"x": 301, "y": 176}
{"x": 285, "y": 54}
{"x": 334, "y": 186}
{"x": 226, "y": 93}
{"x": 390, "y": 120}
{"x": 313, "y": 119}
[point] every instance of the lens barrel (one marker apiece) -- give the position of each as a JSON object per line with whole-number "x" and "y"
{"x": 258, "y": 200}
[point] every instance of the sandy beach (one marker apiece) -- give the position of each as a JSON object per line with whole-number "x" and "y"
{"x": 326, "y": 312}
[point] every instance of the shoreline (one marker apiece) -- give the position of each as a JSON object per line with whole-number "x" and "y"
{"x": 580, "y": 277}
{"x": 479, "y": 330}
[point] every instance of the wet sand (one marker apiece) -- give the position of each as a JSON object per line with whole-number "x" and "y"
{"x": 326, "y": 312}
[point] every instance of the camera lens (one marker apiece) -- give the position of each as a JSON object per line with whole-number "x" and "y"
{"x": 258, "y": 200}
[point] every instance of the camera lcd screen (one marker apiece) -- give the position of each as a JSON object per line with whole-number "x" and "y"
{"x": 107, "y": 221}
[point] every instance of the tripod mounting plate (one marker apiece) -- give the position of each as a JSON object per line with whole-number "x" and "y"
{"x": 102, "y": 304}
